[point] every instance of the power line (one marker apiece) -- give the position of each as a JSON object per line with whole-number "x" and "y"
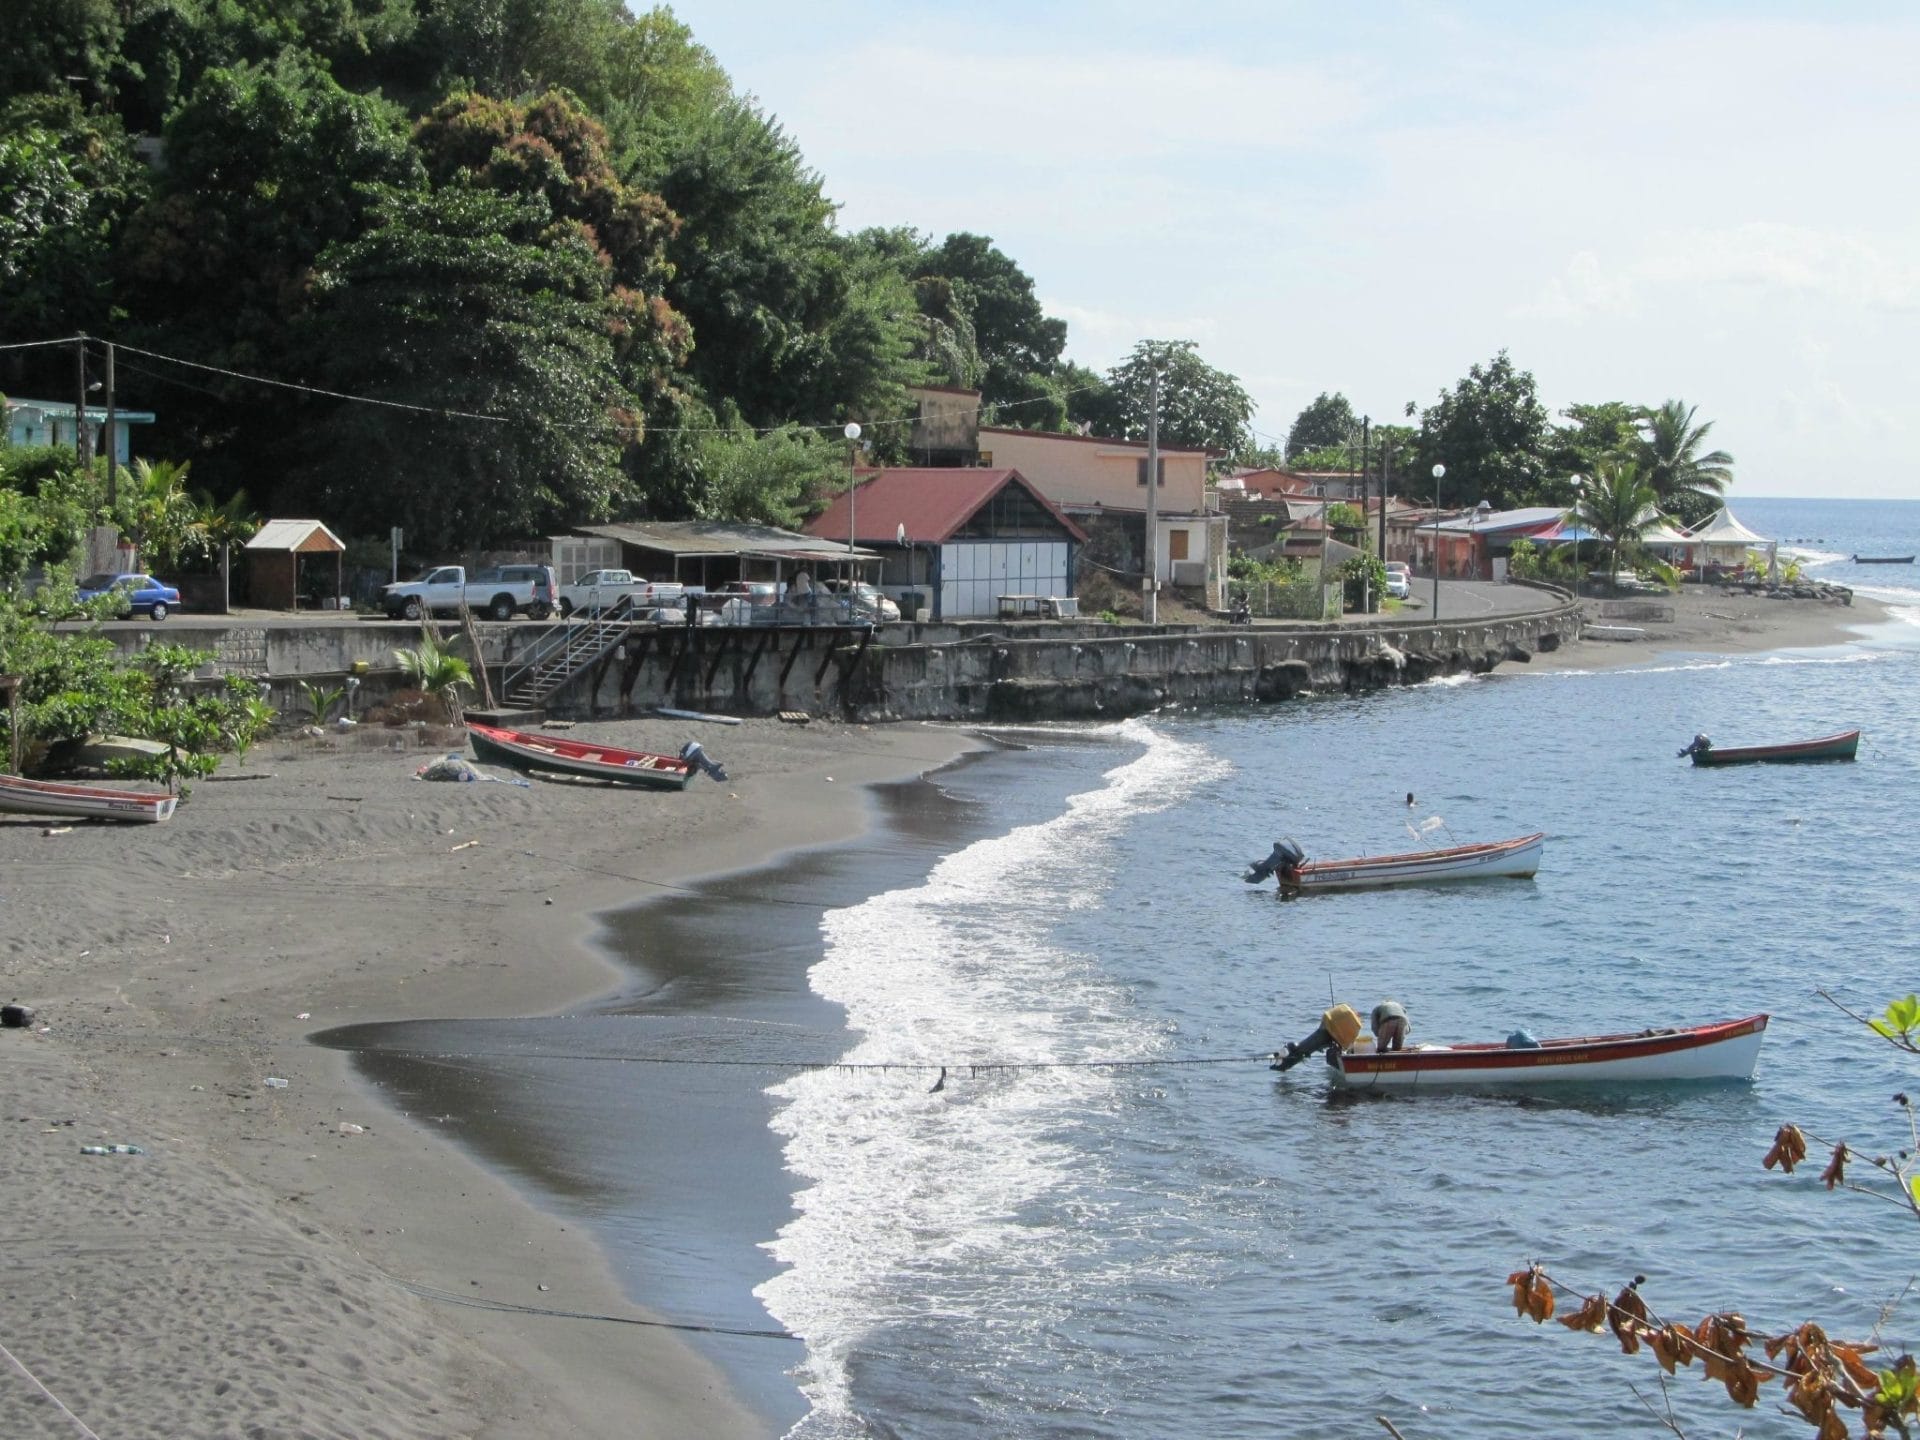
{"x": 315, "y": 389}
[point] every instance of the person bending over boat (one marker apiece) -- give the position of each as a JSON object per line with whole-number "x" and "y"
{"x": 1389, "y": 1021}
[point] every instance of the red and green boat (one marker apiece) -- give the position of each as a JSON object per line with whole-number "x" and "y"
{"x": 589, "y": 759}
{"x": 1828, "y": 747}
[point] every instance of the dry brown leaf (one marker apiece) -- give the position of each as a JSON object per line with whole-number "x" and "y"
{"x": 1592, "y": 1316}
{"x": 1836, "y": 1171}
{"x": 1532, "y": 1294}
{"x": 1789, "y": 1149}
{"x": 1743, "y": 1382}
{"x": 1628, "y": 1317}
{"x": 1671, "y": 1345}
{"x": 1858, "y": 1371}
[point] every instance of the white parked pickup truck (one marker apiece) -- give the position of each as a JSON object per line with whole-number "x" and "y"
{"x": 498, "y": 593}
{"x": 600, "y": 590}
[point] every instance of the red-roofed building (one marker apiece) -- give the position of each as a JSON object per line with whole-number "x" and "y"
{"x": 966, "y": 536}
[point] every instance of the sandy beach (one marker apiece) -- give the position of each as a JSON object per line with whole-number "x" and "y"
{"x": 275, "y": 1263}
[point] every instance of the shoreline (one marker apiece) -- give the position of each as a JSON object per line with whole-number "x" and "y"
{"x": 258, "y": 1258}
{"x": 182, "y": 977}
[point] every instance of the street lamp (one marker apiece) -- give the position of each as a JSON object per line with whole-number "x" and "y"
{"x": 1579, "y": 490}
{"x": 1439, "y": 474}
{"x": 1152, "y": 605}
{"x": 852, "y": 432}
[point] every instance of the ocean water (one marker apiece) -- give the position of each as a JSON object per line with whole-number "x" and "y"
{"x": 1052, "y": 1188}
{"x": 1201, "y": 1247}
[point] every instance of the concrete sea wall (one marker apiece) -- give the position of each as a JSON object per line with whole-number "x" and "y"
{"x": 973, "y": 671}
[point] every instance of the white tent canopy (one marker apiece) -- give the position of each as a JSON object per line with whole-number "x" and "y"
{"x": 1723, "y": 529}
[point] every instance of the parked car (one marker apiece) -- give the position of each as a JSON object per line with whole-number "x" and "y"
{"x": 139, "y": 594}
{"x": 599, "y": 590}
{"x": 498, "y": 592}
{"x": 1398, "y": 585}
{"x": 1401, "y": 566}
{"x": 864, "y": 602}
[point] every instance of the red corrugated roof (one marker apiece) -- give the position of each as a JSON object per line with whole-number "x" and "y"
{"x": 932, "y": 503}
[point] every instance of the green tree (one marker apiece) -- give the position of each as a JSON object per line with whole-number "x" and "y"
{"x": 1618, "y": 505}
{"x": 1015, "y": 340}
{"x": 67, "y": 183}
{"x": 1490, "y": 431}
{"x": 466, "y": 300}
{"x": 1201, "y": 408}
{"x": 1327, "y": 420}
{"x": 266, "y": 167}
{"x": 1594, "y": 435}
{"x": 1685, "y": 482}
{"x": 766, "y": 479}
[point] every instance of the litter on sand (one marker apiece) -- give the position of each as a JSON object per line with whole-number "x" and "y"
{"x": 795, "y": 717}
{"x": 458, "y": 767}
{"x": 696, "y": 715}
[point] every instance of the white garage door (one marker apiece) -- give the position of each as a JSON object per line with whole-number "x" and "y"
{"x": 974, "y": 574}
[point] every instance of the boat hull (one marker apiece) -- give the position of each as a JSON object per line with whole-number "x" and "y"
{"x": 1514, "y": 859}
{"x": 1725, "y": 1050}
{"x": 20, "y": 796}
{"x": 1842, "y": 746}
{"x": 572, "y": 757}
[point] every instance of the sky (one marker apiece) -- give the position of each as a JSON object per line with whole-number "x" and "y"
{"x": 1639, "y": 201}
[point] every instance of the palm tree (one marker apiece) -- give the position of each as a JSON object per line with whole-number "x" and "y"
{"x": 165, "y": 520}
{"x": 1617, "y": 504}
{"x": 435, "y": 671}
{"x": 225, "y": 525}
{"x": 1685, "y": 482}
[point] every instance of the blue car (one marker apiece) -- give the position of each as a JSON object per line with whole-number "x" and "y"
{"x": 142, "y": 594}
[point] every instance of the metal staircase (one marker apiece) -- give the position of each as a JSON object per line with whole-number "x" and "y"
{"x": 564, "y": 652}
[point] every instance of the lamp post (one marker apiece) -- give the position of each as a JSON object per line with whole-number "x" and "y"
{"x": 1579, "y": 489}
{"x": 852, "y": 432}
{"x": 1152, "y": 605}
{"x": 1439, "y": 474}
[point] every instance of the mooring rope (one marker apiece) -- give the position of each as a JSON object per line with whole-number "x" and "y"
{"x": 477, "y": 1302}
{"x": 34, "y": 1380}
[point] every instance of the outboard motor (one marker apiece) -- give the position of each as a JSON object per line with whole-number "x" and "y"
{"x": 1286, "y": 860}
{"x": 1699, "y": 745}
{"x": 1338, "y": 1028}
{"x": 1302, "y": 1049}
{"x": 695, "y": 755}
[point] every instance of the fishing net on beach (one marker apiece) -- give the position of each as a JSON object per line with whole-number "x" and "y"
{"x": 448, "y": 767}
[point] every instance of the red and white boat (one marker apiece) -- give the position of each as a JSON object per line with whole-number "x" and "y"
{"x": 1518, "y": 858}
{"x": 1724, "y": 1050}
{"x": 579, "y": 757}
{"x": 22, "y": 796}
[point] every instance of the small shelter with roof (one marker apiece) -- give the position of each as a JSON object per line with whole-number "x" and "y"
{"x": 975, "y": 540}
{"x": 702, "y": 554}
{"x": 1477, "y": 545}
{"x": 1722, "y": 542}
{"x": 284, "y": 567}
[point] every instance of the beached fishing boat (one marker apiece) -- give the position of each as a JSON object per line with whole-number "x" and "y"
{"x": 579, "y": 757}
{"x": 1828, "y": 747}
{"x": 1882, "y": 559}
{"x": 1723, "y": 1050}
{"x": 21, "y": 796}
{"x": 1517, "y": 858}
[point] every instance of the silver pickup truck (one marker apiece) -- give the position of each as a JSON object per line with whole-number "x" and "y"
{"x": 601, "y": 590}
{"x": 499, "y": 593}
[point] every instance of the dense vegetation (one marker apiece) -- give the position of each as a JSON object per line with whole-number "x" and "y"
{"x": 581, "y": 274}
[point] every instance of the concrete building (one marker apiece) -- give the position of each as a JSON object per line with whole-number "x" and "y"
{"x": 50, "y": 422}
{"x": 975, "y": 542}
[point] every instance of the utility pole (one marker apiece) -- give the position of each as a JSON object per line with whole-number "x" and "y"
{"x": 1386, "y": 472}
{"x": 1366, "y": 484}
{"x": 107, "y": 437}
{"x": 80, "y": 399}
{"x": 1151, "y": 607}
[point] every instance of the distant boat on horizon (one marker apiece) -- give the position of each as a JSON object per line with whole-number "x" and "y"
{"x": 1882, "y": 559}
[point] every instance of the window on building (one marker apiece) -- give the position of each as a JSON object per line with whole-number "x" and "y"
{"x": 1140, "y": 472}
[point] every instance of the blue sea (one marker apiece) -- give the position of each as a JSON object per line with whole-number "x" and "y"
{"x": 1083, "y": 1206}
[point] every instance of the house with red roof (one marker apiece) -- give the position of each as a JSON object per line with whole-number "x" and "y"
{"x": 967, "y": 539}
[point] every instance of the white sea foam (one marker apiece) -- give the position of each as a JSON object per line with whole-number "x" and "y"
{"x": 905, "y": 1187}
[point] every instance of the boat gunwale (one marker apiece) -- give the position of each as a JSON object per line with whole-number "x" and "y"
{"x": 587, "y": 759}
{"x": 1416, "y": 857}
{"x": 1841, "y": 742}
{"x": 1589, "y": 1049}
